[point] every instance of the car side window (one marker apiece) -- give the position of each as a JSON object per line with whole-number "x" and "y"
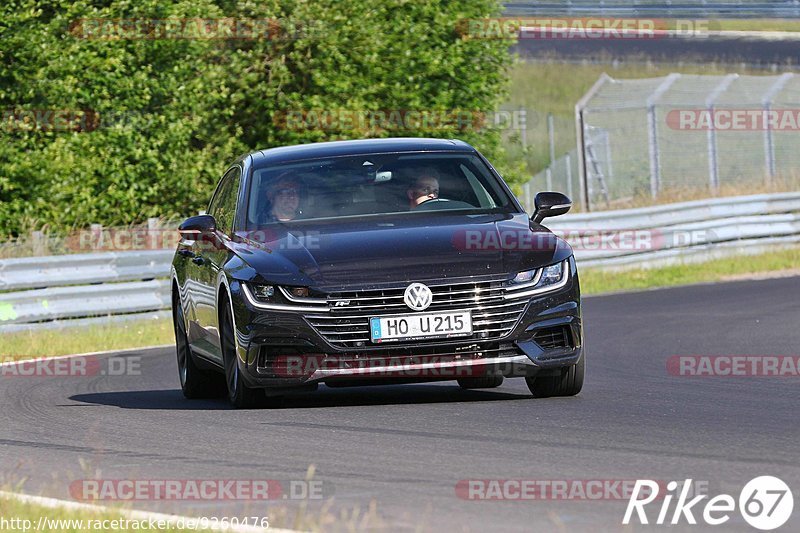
{"x": 223, "y": 205}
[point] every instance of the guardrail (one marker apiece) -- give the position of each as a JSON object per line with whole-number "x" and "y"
{"x": 61, "y": 270}
{"x": 83, "y": 289}
{"x": 683, "y": 232}
{"x": 93, "y": 288}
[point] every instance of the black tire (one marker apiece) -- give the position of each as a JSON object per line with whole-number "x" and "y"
{"x": 195, "y": 382}
{"x": 239, "y": 394}
{"x": 486, "y": 382}
{"x": 568, "y": 383}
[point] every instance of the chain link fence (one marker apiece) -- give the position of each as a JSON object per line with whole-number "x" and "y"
{"x": 680, "y": 137}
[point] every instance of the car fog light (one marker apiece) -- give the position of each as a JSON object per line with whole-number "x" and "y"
{"x": 299, "y": 292}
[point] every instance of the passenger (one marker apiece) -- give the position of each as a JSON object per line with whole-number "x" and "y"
{"x": 425, "y": 187}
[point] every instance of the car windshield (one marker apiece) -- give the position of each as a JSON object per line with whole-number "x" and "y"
{"x": 373, "y": 184}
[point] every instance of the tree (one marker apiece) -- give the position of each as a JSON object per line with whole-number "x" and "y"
{"x": 145, "y": 126}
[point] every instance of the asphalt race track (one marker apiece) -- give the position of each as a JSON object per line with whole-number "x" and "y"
{"x": 754, "y": 52}
{"x": 408, "y": 446}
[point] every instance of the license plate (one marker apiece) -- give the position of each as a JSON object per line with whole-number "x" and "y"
{"x": 420, "y": 326}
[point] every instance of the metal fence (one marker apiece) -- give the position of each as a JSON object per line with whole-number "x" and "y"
{"x": 564, "y": 173}
{"x": 680, "y": 137}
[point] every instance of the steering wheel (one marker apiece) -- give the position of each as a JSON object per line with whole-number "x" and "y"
{"x": 432, "y": 201}
{"x": 443, "y": 203}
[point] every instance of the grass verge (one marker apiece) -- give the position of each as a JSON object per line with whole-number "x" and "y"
{"x": 753, "y": 24}
{"x": 72, "y": 340}
{"x": 44, "y": 514}
{"x": 597, "y": 281}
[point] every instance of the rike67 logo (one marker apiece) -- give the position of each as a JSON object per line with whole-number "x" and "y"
{"x": 766, "y": 503}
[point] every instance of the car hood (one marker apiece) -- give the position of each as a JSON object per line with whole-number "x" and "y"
{"x": 372, "y": 252}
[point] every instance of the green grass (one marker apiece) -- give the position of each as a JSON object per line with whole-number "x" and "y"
{"x": 596, "y": 281}
{"x": 300, "y": 518}
{"x": 67, "y": 341}
{"x": 755, "y": 24}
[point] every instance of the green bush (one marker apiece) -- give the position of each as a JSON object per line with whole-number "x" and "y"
{"x": 160, "y": 118}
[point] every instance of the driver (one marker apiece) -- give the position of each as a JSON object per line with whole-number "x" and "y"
{"x": 284, "y": 198}
{"x": 424, "y": 188}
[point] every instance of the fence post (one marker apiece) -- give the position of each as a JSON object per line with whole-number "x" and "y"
{"x": 652, "y": 133}
{"x": 713, "y": 168}
{"x": 152, "y": 234}
{"x": 97, "y": 234}
{"x": 769, "y": 143}
{"x": 551, "y": 134}
{"x": 38, "y": 243}
{"x": 526, "y": 197}
{"x": 568, "y": 162}
{"x": 581, "y": 139}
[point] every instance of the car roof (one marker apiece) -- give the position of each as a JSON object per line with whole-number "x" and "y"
{"x": 357, "y": 147}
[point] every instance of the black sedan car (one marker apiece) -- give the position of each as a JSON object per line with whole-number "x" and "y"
{"x": 373, "y": 261}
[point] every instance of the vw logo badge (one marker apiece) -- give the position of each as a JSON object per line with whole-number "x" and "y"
{"x": 418, "y": 296}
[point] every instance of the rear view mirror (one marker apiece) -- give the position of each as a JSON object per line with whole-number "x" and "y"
{"x": 383, "y": 176}
{"x": 550, "y": 204}
{"x": 194, "y": 227}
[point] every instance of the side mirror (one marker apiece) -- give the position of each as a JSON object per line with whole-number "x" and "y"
{"x": 194, "y": 227}
{"x": 550, "y": 204}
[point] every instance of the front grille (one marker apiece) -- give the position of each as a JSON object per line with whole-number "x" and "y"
{"x": 555, "y": 337}
{"x": 493, "y": 317}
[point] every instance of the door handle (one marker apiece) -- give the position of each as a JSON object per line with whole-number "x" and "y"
{"x": 186, "y": 253}
{"x": 198, "y": 260}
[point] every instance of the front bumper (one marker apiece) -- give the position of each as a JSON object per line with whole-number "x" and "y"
{"x": 281, "y": 349}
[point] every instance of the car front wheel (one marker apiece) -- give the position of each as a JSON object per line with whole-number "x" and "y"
{"x": 240, "y": 395}
{"x": 568, "y": 383}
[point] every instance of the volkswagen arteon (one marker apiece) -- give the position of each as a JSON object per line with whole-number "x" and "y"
{"x": 373, "y": 261}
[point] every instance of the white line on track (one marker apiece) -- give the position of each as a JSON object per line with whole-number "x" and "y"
{"x": 88, "y": 354}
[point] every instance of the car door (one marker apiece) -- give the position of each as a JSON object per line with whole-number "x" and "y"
{"x": 210, "y": 256}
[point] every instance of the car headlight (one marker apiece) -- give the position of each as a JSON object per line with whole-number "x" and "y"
{"x": 551, "y": 275}
{"x": 265, "y": 293}
{"x": 277, "y": 293}
{"x": 540, "y": 280}
{"x": 280, "y": 298}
